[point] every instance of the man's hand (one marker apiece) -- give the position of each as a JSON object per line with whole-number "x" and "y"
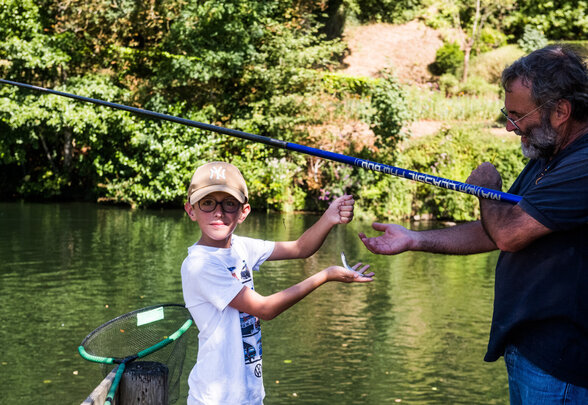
{"x": 396, "y": 239}
{"x": 340, "y": 211}
{"x": 486, "y": 176}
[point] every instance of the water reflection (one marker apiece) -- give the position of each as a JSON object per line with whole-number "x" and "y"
{"x": 416, "y": 335}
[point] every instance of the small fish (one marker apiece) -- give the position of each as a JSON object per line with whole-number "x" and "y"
{"x": 349, "y": 267}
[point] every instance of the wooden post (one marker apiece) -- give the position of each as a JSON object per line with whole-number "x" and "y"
{"x": 144, "y": 383}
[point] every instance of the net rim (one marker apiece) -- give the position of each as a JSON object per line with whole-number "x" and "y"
{"x": 126, "y": 315}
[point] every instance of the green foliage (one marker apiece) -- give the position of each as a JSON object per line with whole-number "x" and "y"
{"x": 448, "y": 59}
{"x": 270, "y": 185}
{"x": 338, "y": 83}
{"x": 490, "y": 65}
{"x": 473, "y": 86}
{"x": 427, "y": 104}
{"x": 557, "y": 19}
{"x": 247, "y": 65}
{"x": 448, "y": 84}
{"x": 453, "y": 154}
{"x": 532, "y": 39}
{"x": 390, "y": 11}
{"x": 25, "y": 51}
{"x": 477, "y": 86}
{"x": 490, "y": 39}
{"x": 390, "y": 113}
{"x": 54, "y": 149}
{"x": 255, "y": 66}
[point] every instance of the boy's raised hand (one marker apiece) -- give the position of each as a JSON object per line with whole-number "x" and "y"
{"x": 341, "y": 210}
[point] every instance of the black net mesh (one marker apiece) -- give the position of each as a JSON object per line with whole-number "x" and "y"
{"x": 136, "y": 331}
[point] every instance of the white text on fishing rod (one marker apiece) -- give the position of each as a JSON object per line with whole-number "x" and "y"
{"x": 428, "y": 179}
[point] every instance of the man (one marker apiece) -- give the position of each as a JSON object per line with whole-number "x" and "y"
{"x": 540, "y": 320}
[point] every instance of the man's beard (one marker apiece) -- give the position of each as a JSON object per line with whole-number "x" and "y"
{"x": 542, "y": 140}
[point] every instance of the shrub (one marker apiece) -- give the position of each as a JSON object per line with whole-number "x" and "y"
{"x": 477, "y": 86}
{"x": 490, "y": 65}
{"x": 490, "y": 39}
{"x": 532, "y": 39}
{"x": 449, "y": 84}
{"x": 390, "y": 112}
{"x": 448, "y": 59}
{"x": 341, "y": 84}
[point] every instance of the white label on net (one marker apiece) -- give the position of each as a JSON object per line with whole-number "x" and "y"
{"x": 153, "y": 315}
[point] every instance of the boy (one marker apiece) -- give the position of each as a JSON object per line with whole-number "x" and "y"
{"x": 218, "y": 285}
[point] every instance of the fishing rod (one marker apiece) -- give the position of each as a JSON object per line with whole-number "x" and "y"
{"x": 477, "y": 191}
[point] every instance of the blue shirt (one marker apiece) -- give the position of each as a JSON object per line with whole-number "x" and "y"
{"x": 541, "y": 291}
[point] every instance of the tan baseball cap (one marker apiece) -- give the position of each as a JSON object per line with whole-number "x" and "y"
{"x": 217, "y": 176}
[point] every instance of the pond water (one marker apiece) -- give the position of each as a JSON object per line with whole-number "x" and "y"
{"x": 416, "y": 335}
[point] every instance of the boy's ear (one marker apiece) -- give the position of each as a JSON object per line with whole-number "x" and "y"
{"x": 244, "y": 212}
{"x": 190, "y": 210}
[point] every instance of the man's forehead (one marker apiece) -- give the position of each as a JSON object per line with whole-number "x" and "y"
{"x": 518, "y": 96}
{"x": 519, "y": 85}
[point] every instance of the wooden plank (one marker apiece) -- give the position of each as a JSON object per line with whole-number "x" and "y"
{"x": 98, "y": 396}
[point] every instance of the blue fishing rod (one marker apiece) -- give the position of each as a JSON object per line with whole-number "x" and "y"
{"x": 477, "y": 191}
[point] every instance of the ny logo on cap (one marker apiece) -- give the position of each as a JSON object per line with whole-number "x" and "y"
{"x": 219, "y": 171}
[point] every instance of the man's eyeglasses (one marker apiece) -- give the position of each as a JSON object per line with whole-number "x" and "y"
{"x": 229, "y": 205}
{"x": 514, "y": 122}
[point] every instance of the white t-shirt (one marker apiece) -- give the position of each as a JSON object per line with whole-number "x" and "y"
{"x": 228, "y": 367}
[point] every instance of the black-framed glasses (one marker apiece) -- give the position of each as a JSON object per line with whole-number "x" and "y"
{"x": 514, "y": 122}
{"x": 209, "y": 204}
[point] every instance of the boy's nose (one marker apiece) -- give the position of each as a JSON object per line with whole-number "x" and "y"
{"x": 218, "y": 210}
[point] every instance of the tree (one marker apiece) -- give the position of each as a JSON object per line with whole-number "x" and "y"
{"x": 469, "y": 17}
{"x": 557, "y": 19}
{"x": 243, "y": 64}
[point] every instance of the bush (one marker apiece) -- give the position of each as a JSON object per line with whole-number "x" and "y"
{"x": 448, "y": 59}
{"x": 341, "y": 84}
{"x": 449, "y": 84}
{"x": 390, "y": 112}
{"x": 490, "y": 39}
{"x": 477, "y": 86}
{"x": 532, "y": 39}
{"x": 490, "y": 65}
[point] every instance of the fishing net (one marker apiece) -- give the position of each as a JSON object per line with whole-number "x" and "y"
{"x": 153, "y": 334}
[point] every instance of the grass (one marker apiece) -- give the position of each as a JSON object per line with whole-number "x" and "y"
{"x": 427, "y": 104}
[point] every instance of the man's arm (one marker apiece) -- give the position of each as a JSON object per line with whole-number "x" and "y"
{"x": 463, "y": 239}
{"x": 509, "y": 226}
{"x": 339, "y": 212}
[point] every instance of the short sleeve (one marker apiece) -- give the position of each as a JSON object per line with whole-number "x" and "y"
{"x": 256, "y": 251}
{"x": 559, "y": 198}
{"x": 205, "y": 279}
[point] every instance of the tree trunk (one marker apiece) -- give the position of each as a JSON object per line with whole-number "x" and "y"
{"x": 67, "y": 149}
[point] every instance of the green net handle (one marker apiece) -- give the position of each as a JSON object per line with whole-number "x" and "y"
{"x": 114, "y": 386}
{"x": 168, "y": 340}
{"x": 92, "y": 357}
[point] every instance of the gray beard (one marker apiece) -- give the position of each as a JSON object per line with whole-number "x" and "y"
{"x": 542, "y": 141}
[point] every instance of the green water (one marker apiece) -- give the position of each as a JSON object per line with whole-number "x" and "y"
{"x": 416, "y": 335}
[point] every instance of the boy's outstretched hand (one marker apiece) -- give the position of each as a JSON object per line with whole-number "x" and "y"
{"x": 341, "y": 210}
{"x": 338, "y": 273}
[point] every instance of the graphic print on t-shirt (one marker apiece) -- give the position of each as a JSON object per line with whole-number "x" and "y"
{"x": 250, "y": 325}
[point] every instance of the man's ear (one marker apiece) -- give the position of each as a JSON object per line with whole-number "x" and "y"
{"x": 190, "y": 211}
{"x": 244, "y": 212}
{"x": 562, "y": 113}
